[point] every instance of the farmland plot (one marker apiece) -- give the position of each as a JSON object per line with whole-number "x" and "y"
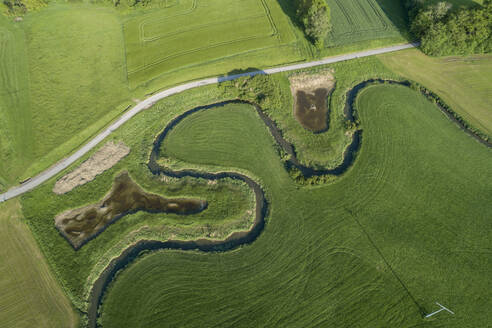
{"x": 360, "y": 20}
{"x": 15, "y": 116}
{"x": 194, "y": 32}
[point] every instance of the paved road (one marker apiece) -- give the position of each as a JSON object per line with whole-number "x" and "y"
{"x": 63, "y": 164}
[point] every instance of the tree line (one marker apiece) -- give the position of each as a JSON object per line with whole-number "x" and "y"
{"x": 444, "y": 30}
{"x": 314, "y": 17}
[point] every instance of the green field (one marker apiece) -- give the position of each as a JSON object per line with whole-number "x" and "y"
{"x": 73, "y": 68}
{"x": 78, "y": 88}
{"x": 61, "y": 84}
{"x": 406, "y": 226}
{"x": 16, "y": 129}
{"x": 30, "y": 295}
{"x": 195, "y": 32}
{"x": 230, "y": 205}
{"x": 363, "y": 20}
{"x": 464, "y": 83}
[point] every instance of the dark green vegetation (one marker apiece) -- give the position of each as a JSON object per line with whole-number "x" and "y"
{"x": 444, "y": 31}
{"x": 125, "y": 197}
{"x": 315, "y": 17}
{"x": 400, "y": 230}
{"x": 20, "y": 7}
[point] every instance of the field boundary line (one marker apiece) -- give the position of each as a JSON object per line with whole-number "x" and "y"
{"x": 160, "y": 19}
{"x": 150, "y": 101}
{"x": 184, "y": 53}
{"x": 380, "y": 253}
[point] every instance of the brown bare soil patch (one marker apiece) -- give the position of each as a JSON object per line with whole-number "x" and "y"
{"x": 80, "y": 225}
{"x": 310, "y": 92}
{"x": 103, "y": 159}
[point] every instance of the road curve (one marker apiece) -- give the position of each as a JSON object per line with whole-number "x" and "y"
{"x": 66, "y": 162}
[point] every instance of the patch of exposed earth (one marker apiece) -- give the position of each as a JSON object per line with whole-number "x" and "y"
{"x": 103, "y": 159}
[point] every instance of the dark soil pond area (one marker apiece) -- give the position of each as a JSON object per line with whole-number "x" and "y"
{"x": 80, "y": 225}
{"x": 311, "y": 109}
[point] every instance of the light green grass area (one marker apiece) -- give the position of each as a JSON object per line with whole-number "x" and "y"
{"x": 464, "y": 83}
{"x": 211, "y": 127}
{"x": 362, "y": 20}
{"x": 406, "y": 226}
{"x": 30, "y": 296}
{"x": 77, "y": 65}
{"x": 64, "y": 78}
{"x": 76, "y": 74}
{"x": 16, "y": 129}
{"x": 196, "y": 32}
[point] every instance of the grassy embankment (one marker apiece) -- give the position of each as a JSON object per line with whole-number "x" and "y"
{"x": 464, "y": 83}
{"x": 31, "y": 297}
{"x": 77, "y": 64}
{"x": 400, "y": 230}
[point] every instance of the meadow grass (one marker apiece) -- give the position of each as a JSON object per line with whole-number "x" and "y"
{"x": 76, "y": 73}
{"x": 31, "y": 297}
{"x": 230, "y": 205}
{"x": 16, "y": 129}
{"x": 403, "y": 228}
{"x": 361, "y": 20}
{"x": 464, "y": 83}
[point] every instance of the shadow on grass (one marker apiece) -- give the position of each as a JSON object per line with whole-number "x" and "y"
{"x": 397, "y": 13}
{"x": 289, "y": 8}
{"x": 236, "y": 73}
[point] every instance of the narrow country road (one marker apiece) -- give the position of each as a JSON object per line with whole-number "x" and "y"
{"x": 63, "y": 164}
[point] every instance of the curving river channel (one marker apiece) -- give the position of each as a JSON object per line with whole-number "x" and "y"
{"x": 244, "y": 237}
